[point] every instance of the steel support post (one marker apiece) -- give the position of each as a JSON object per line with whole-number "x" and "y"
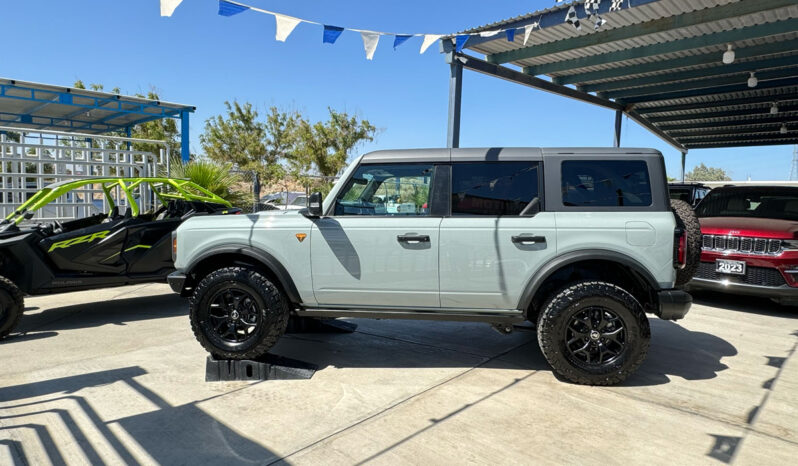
{"x": 618, "y": 122}
{"x": 684, "y": 156}
{"x": 185, "y": 153}
{"x": 455, "y": 101}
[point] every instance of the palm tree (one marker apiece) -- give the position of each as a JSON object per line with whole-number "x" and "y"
{"x": 218, "y": 178}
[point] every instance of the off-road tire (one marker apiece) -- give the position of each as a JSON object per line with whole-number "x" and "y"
{"x": 12, "y": 304}
{"x": 273, "y": 313}
{"x": 687, "y": 220}
{"x": 568, "y": 303}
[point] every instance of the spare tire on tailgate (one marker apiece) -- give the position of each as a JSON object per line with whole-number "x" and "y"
{"x": 687, "y": 221}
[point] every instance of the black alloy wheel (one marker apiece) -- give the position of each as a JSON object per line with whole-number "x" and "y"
{"x": 234, "y": 314}
{"x": 596, "y": 335}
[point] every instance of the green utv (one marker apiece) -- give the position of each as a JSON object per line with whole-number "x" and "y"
{"x": 98, "y": 251}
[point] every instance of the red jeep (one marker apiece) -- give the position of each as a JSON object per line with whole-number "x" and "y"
{"x": 750, "y": 242}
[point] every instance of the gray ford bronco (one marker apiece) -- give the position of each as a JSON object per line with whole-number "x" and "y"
{"x": 580, "y": 242}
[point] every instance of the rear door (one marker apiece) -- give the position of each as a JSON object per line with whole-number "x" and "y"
{"x": 379, "y": 248}
{"x": 489, "y": 250}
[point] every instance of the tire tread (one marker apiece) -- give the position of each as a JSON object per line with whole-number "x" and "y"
{"x": 19, "y": 304}
{"x": 275, "y": 302}
{"x": 570, "y": 295}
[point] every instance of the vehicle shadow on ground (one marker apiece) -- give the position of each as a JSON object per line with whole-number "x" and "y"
{"x": 675, "y": 350}
{"x": 194, "y": 437}
{"x": 748, "y": 304}
{"x": 119, "y": 311}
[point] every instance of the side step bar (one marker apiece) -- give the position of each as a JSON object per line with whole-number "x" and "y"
{"x": 497, "y": 316}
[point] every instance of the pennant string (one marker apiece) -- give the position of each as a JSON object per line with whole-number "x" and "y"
{"x": 285, "y": 25}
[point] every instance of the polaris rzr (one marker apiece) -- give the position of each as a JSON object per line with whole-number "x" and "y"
{"x": 121, "y": 247}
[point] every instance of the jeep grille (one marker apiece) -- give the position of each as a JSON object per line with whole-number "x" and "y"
{"x": 737, "y": 244}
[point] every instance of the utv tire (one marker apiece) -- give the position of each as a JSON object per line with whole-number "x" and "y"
{"x": 237, "y": 313}
{"x": 11, "y": 306}
{"x": 594, "y": 333}
{"x": 687, "y": 220}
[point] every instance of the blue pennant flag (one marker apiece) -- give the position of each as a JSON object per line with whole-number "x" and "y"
{"x": 331, "y": 34}
{"x": 511, "y": 35}
{"x": 230, "y": 9}
{"x": 399, "y": 40}
{"x": 460, "y": 41}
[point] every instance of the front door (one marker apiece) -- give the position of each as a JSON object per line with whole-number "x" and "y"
{"x": 379, "y": 248}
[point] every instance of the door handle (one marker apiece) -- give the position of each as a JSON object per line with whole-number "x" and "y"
{"x": 412, "y": 238}
{"x": 528, "y": 239}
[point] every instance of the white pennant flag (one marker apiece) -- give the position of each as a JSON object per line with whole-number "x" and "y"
{"x": 528, "y": 30}
{"x": 285, "y": 26}
{"x": 168, "y": 7}
{"x": 370, "y": 41}
{"x": 489, "y": 33}
{"x": 429, "y": 39}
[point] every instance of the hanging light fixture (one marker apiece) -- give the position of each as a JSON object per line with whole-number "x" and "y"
{"x": 775, "y": 108}
{"x": 752, "y": 81}
{"x": 728, "y": 55}
{"x": 783, "y": 129}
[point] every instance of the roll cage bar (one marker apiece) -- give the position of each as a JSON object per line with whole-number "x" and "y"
{"x": 165, "y": 189}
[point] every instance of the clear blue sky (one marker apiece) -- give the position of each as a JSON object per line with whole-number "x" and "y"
{"x": 197, "y": 57}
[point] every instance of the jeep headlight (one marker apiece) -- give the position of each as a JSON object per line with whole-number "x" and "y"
{"x": 789, "y": 244}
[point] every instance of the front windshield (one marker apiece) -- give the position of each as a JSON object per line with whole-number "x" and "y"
{"x": 773, "y": 202}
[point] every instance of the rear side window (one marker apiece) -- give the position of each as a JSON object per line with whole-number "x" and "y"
{"x": 493, "y": 188}
{"x": 605, "y": 183}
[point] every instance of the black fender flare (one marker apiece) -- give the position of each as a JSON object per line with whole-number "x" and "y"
{"x": 558, "y": 262}
{"x": 274, "y": 265}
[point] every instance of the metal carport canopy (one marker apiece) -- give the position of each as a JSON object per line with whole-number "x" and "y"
{"x": 28, "y": 105}
{"x": 659, "y": 62}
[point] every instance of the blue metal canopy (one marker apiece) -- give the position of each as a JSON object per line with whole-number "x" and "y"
{"x": 28, "y": 105}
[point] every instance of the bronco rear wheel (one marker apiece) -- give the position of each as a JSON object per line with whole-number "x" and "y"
{"x": 11, "y": 306}
{"x": 594, "y": 333}
{"x": 238, "y": 313}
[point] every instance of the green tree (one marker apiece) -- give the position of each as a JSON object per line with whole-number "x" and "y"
{"x": 324, "y": 147}
{"x": 237, "y": 137}
{"x": 704, "y": 173}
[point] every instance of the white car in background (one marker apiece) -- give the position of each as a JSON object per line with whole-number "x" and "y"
{"x": 286, "y": 200}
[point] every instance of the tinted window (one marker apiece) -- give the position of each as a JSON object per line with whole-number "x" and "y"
{"x": 493, "y": 188}
{"x": 390, "y": 189}
{"x": 680, "y": 194}
{"x": 776, "y": 203}
{"x": 605, "y": 183}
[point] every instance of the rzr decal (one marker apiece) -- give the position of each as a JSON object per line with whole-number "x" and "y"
{"x": 79, "y": 240}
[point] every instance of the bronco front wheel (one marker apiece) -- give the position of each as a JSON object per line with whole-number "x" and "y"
{"x": 238, "y": 313}
{"x": 594, "y": 333}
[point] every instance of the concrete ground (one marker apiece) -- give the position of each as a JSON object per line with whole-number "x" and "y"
{"x": 115, "y": 376}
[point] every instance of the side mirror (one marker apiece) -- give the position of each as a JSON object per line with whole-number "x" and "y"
{"x": 315, "y": 205}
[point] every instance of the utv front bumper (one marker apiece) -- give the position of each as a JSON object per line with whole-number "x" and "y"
{"x": 673, "y": 304}
{"x": 177, "y": 281}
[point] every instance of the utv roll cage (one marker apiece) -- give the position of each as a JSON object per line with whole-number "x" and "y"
{"x": 165, "y": 189}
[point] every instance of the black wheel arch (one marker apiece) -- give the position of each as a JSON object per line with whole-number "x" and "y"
{"x": 232, "y": 254}
{"x": 546, "y": 281}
